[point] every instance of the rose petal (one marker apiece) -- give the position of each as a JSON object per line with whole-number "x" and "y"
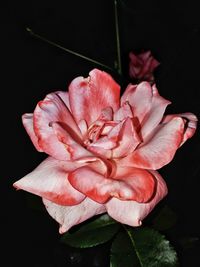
{"x": 190, "y": 124}
{"x": 27, "y": 120}
{"x": 53, "y": 109}
{"x": 104, "y": 144}
{"x": 140, "y": 98}
{"x": 75, "y": 149}
{"x": 123, "y": 112}
{"x": 65, "y": 98}
{"x": 127, "y": 141}
{"x": 132, "y": 212}
{"x": 128, "y": 184}
{"x": 88, "y": 97}
{"x": 155, "y": 114}
{"x": 50, "y": 180}
{"x": 159, "y": 149}
{"x": 68, "y": 216}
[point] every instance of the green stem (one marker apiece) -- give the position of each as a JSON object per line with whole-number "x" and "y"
{"x": 68, "y": 50}
{"x": 117, "y": 38}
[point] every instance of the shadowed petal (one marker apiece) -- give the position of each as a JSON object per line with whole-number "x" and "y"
{"x": 50, "y": 180}
{"x": 159, "y": 149}
{"x": 68, "y": 216}
{"x": 27, "y": 120}
{"x": 132, "y": 212}
{"x": 129, "y": 184}
{"x": 89, "y": 96}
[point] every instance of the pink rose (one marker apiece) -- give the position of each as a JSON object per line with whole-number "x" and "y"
{"x": 103, "y": 151}
{"x": 141, "y": 66}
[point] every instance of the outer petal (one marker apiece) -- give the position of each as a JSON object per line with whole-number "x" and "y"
{"x": 50, "y": 180}
{"x": 53, "y": 109}
{"x": 159, "y": 149}
{"x": 131, "y": 212}
{"x": 69, "y": 216}
{"x": 64, "y": 97}
{"x": 91, "y": 95}
{"x": 190, "y": 124}
{"x": 27, "y": 120}
{"x": 140, "y": 98}
{"x": 155, "y": 114}
{"x": 128, "y": 184}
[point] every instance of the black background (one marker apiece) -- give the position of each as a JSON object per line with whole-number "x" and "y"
{"x": 31, "y": 68}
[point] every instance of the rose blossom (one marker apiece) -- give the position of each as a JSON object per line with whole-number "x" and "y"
{"x": 141, "y": 66}
{"x": 103, "y": 151}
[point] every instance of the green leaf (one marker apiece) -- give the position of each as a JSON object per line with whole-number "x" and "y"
{"x": 122, "y": 252}
{"x": 152, "y": 249}
{"x": 165, "y": 219}
{"x": 92, "y": 233}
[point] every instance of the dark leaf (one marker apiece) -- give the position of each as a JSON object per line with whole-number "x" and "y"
{"x": 92, "y": 233}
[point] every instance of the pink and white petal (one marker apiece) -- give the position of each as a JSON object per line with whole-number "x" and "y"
{"x": 53, "y": 109}
{"x": 50, "y": 180}
{"x": 190, "y": 124}
{"x": 75, "y": 149}
{"x": 131, "y": 212}
{"x": 142, "y": 183}
{"x": 159, "y": 149}
{"x": 83, "y": 127}
{"x": 155, "y": 114}
{"x": 100, "y": 151}
{"x": 129, "y": 184}
{"x": 106, "y": 114}
{"x": 65, "y": 98}
{"x": 123, "y": 112}
{"x": 104, "y": 145}
{"x": 68, "y": 216}
{"x": 89, "y": 96}
{"x": 127, "y": 141}
{"x": 27, "y": 120}
{"x": 140, "y": 98}
{"x": 110, "y": 140}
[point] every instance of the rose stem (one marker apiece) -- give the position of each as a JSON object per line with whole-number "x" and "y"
{"x": 68, "y": 50}
{"x": 119, "y": 66}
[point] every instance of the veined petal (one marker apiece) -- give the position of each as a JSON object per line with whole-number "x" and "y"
{"x": 128, "y": 184}
{"x": 131, "y": 212}
{"x": 155, "y": 114}
{"x": 53, "y": 109}
{"x": 68, "y": 216}
{"x": 88, "y": 97}
{"x": 159, "y": 149}
{"x": 50, "y": 180}
{"x": 27, "y": 120}
{"x": 140, "y": 98}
